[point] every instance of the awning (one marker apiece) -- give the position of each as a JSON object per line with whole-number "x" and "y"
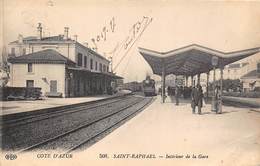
{"x": 108, "y": 74}
{"x": 191, "y": 60}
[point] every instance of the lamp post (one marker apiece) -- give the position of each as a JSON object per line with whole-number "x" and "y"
{"x": 214, "y": 62}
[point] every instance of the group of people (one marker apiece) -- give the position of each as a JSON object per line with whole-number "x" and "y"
{"x": 196, "y": 95}
{"x": 182, "y": 91}
{"x": 179, "y": 91}
{"x": 197, "y": 98}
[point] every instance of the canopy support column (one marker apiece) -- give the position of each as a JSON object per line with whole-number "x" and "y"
{"x": 213, "y": 104}
{"x": 221, "y": 90}
{"x": 192, "y": 81}
{"x": 163, "y": 83}
{"x": 207, "y": 85}
{"x": 198, "y": 79}
{"x": 186, "y": 81}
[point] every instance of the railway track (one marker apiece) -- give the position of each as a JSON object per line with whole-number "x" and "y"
{"x": 111, "y": 127}
{"x": 55, "y": 140}
{"x": 7, "y": 123}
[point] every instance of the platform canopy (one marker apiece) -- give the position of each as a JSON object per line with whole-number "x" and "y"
{"x": 192, "y": 59}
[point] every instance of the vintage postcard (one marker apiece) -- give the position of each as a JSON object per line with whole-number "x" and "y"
{"x": 127, "y": 82}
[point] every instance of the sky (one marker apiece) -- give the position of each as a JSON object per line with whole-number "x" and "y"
{"x": 225, "y": 26}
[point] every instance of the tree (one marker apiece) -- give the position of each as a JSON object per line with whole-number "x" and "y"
{"x": 229, "y": 85}
{"x": 4, "y": 69}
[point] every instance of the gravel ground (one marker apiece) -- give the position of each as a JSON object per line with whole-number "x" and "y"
{"x": 25, "y": 119}
{"x": 20, "y": 137}
{"x": 73, "y": 139}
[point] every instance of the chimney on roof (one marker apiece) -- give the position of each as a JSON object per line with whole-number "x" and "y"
{"x": 20, "y": 39}
{"x": 75, "y": 37}
{"x": 39, "y": 31}
{"x": 86, "y": 44}
{"x": 94, "y": 49}
{"x": 66, "y": 33}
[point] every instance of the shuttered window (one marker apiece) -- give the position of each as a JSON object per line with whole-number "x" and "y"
{"x": 85, "y": 61}
{"x": 79, "y": 59}
{"x": 91, "y": 64}
{"x": 29, "y": 68}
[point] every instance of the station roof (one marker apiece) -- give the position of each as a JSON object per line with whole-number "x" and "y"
{"x": 44, "y": 56}
{"x": 192, "y": 59}
{"x": 59, "y": 39}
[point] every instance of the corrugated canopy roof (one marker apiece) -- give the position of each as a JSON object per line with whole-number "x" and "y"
{"x": 191, "y": 60}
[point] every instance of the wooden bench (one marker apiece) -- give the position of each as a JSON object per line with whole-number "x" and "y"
{"x": 53, "y": 94}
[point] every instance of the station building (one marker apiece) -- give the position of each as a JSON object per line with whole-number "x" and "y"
{"x": 235, "y": 70}
{"x": 251, "y": 80}
{"x": 58, "y": 65}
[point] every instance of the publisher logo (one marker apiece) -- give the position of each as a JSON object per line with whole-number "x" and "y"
{"x": 11, "y": 156}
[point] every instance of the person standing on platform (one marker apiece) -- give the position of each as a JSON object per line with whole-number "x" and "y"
{"x": 170, "y": 93}
{"x": 193, "y": 96}
{"x": 218, "y": 98}
{"x": 200, "y": 101}
{"x": 177, "y": 95}
{"x": 163, "y": 93}
{"x": 196, "y": 98}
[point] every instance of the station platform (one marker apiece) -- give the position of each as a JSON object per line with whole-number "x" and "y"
{"x": 251, "y": 102}
{"x": 170, "y": 133}
{"x": 230, "y": 138}
{"x": 12, "y": 107}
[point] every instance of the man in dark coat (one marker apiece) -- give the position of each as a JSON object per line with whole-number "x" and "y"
{"x": 177, "y": 95}
{"x": 196, "y": 98}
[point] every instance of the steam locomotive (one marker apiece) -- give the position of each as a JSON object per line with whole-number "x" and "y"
{"x": 149, "y": 86}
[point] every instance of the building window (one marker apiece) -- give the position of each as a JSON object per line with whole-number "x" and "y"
{"x": 85, "y": 61}
{"x": 107, "y": 69}
{"x": 104, "y": 68}
{"x": 53, "y": 86}
{"x": 29, "y": 68}
{"x": 96, "y": 66}
{"x": 13, "y": 51}
{"x": 29, "y": 83}
{"x": 24, "y": 51}
{"x": 100, "y": 67}
{"x": 79, "y": 59}
{"x": 91, "y": 64}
